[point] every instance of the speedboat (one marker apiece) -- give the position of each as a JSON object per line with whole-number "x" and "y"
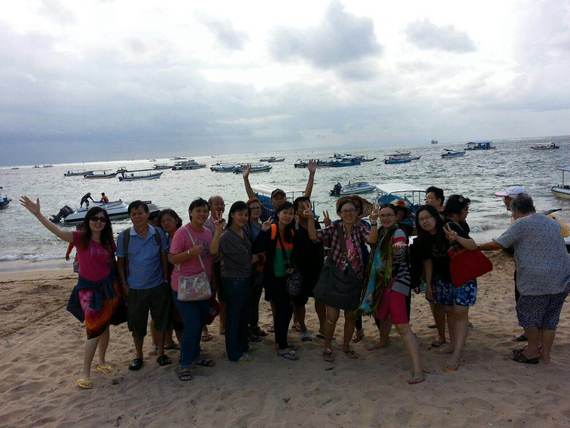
{"x": 103, "y": 174}
{"x": 271, "y": 159}
{"x": 338, "y": 162}
{"x": 452, "y": 154}
{"x": 353, "y": 188}
{"x": 161, "y": 166}
{"x": 4, "y": 200}
{"x": 188, "y": 164}
{"x": 548, "y": 146}
{"x": 300, "y": 163}
{"x": 479, "y": 145}
{"x": 253, "y": 168}
{"x": 71, "y": 173}
{"x": 134, "y": 177}
{"x": 224, "y": 167}
{"x": 562, "y": 190}
{"x": 116, "y": 210}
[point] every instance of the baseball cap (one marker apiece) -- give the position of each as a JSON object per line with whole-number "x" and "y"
{"x": 511, "y": 191}
{"x": 278, "y": 192}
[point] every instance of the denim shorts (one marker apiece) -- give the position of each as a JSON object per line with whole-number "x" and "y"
{"x": 542, "y": 312}
{"x": 445, "y": 293}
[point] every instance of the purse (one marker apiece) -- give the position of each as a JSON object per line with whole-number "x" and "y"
{"x": 294, "y": 279}
{"x": 194, "y": 287}
{"x": 467, "y": 265}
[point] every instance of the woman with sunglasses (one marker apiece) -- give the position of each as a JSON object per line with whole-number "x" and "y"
{"x": 96, "y": 297}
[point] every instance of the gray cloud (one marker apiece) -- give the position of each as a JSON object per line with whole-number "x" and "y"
{"x": 339, "y": 39}
{"x": 56, "y": 11}
{"x": 426, "y": 35}
{"x": 226, "y": 34}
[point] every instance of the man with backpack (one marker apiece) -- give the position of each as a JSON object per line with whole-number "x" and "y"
{"x": 142, "y": 252}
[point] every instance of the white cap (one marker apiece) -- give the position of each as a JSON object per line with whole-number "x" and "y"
{"x": 511, "y": 191}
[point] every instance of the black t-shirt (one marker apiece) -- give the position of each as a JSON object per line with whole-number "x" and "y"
{"x": 307, "y": 255}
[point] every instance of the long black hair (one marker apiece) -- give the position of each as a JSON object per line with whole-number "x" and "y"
{"x": 236, "y": 206}
{"x": 435, "y": 214}
{"x": 170, "y": 212}
{"x": 288, "y": 235}
{"x": 106, "y": 234}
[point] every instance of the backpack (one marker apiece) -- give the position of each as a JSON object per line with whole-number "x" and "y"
{"x": 127, "y": 239}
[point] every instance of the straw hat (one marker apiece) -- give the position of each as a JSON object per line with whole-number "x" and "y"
{"x": 363, "y": 207}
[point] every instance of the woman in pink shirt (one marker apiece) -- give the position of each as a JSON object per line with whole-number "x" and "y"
{"x": 96, "y": 297}
{"x": 191, "y": 243}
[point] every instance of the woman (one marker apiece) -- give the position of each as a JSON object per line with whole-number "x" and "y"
{"x": 308, "y": 259}
{"x": 252, "y": 229}
{"x": 389, "y": 286}
{"x": 96, "y": 297}
{"x": 236, "y": 258}
{"x": 345, "y": 239}
{"x": 433, "y": 242}
{"x": 191, "y": 251}
{"x": 170, "y": 222}
{"x": 276, "y": 240}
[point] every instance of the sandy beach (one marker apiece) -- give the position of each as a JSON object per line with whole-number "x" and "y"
{"x": 41, "y": 349}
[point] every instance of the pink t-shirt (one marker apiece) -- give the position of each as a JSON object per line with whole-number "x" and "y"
{"x": 181, "y": 242}
{"x": 95, "y": 261}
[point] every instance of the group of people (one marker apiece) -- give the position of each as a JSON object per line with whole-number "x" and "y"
{"x": 366, "y": 262}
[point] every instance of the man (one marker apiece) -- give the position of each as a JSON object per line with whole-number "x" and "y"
{"x": 104, "y": 198}
{"x": 278, "y": 196}
{"x": 435, "y": 198}
{"x": 543, "y": 276}
{"x": 85, "y": 200}
{"x": 143, "y": 270}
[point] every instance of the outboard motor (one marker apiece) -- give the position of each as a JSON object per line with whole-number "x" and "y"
{"x": 63, "y": 212}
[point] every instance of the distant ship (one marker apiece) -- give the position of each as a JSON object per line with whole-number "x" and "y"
{"x": 434, "y": 142}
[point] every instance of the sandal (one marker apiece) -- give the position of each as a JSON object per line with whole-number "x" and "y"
{"x": 105, "y": 369}
{"x": 207, "y": 337}
{"x": 288, "y": 354}
{"x": 184, "y": 374}
{"x": 358, "y": 336}
{"x": 136, "y": 364}
{"x": 84, "y": 383}
{"x": 163, "y": 360}
{"x": 414, "y": 380}
{"x": 328, "y": 355}
{"x": 520, "y": 357}
{"x": 350, "y": 353}
{"x": 204, "y": 362}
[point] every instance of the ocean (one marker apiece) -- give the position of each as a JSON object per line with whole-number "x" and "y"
{"x": 478, "y": 176}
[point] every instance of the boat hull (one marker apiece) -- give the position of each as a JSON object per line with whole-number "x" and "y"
{"x": 562, "y": 192}
{"x": 145, "y": 177}
{"x": 95, "y": 176}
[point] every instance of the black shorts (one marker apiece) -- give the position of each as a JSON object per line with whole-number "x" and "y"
{"x": 542, "y": 312}
{"x": 157, "y": 300}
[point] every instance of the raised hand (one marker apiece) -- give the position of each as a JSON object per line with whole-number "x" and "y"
{"x": 326, "y": 218}
{"x": 266, "y": 225}
{"x": 246, "y": 171}
{"x": 374, "y": 213}
{"x": 219, "y": 224}
{"x": 312, "y": 166}
{"x": 32, "y": 207}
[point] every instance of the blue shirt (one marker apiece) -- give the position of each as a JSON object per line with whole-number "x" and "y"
{"x": 145, "y": 265}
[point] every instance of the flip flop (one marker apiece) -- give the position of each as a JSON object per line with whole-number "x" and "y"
{"x": 288, "y": 354}
{"x": 414, "y": 380}
{"x": 163, "y": 360}
{"x": 184, "y": 374}
{"x": 328, "y": 355}
{"x": 136, "y": 364}
{"x": 522, "y": 358}
{"x": 204, "y": 362}
{"x": 105, "y": 369}
{"x": 450, "y": 369}
{"x": 84, "y": 383}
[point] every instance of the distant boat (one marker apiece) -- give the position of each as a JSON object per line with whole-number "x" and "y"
{"x": 300, "y": 163}
{"x": 224, "y": 167}
{"x": 339, "y": 162}
{"x": 271, "y": 159}
{"x": 134, "y": 177}
{"x": 400, "y": 157}
{"x": 36, "y": 166}
{"x": 160, "y": 166}
{"x": 70, "y": 173}
{"x": 547, "y": 146}
{"x": 253, "y": 168}
{"x": 187, "y": 165}
{"x": 452, "y": 154}
{"x": 178, "y": 158}
{"x": 96, "y": 175}
{"x": 434, "y": 142}
{"x": 47, "y": 165}
{"x": 365, "y": 159}
{"x": 562, "y": 190}
{"x": 4, "y": 200}
{"x": 479, "y": 145}
{"x": 355, "y": 188}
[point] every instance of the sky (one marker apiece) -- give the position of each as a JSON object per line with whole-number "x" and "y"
{"x": 128, "y": 79}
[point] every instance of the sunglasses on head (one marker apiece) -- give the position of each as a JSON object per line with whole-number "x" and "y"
{"x": 98, "y": 219}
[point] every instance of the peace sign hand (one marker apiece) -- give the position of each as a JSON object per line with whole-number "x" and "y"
{"x": 326, "y": 219}
{"x": 266, "y": 225}
{"x": 374, "y": 213}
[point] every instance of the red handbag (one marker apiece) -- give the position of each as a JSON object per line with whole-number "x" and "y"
{"x": 466, "y": 265}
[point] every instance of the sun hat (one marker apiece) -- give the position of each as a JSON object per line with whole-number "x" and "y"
{"x": 364, "y": 208}
{"x": 510, "y": 191}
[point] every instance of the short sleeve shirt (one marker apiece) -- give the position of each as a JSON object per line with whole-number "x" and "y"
{"x": 95, "y": 261}
{"x": 236, "y": 255}
{"x": 543, "y": 264}
{"x": 181, "y": 242}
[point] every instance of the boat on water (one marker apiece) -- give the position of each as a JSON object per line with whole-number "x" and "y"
{"x": 547, "y": 146}
{"x": 412, "y": 195}
{"x": 365, "y": 159}
{"x": 479, "y": 145}
{"x": 338, "y": 162}
{"x": 47, "y": 165}
{"x": 161, "y": 166}
{"x": 400, "y": 157}
{"x": 263, "y": 193}
{"x": 103, "y": 174}
{"x": 4, "y": 200}
{"x": 178, "y": 158}
{"x": 188, "y": 164}
{"x": 300, "y": 163}
{"x": 434, "y": 142}
{"x": 272, "y": 159}
{"x": 448, "y": 154}
{"x": 132, "y": 176}
{"x": 562, "y": 190}
{"x": 355, "y": 188}
{"x": 116, "y": 210}
{"x": 259, "y": 167}
{"x": 71, "y": 173}
{"x": 224, "y": 167}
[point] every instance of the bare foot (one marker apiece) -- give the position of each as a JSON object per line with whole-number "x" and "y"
{"x": 416, "y": 378}
{"x": 446, "y": 349}
{"x": 451, "y": 366}
{"x": 379, "y": 345}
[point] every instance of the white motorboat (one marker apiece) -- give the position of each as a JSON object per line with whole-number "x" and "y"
{"x": 188, "y": 164}
{"x": 562, "y": 190}
{"x": 272, "y": 159}
{"x": 224, "y": 167}
{"x": 355, "y": 188}
{"x": 117, "y": 210}
{"x": 161, "y": 166}
{"x": 547, "y": 146}
{"x": 134, "y": 176}
{"x": 103, "y": 174}
{"x": 71, "y": 173}
{"x": 448, "y": 154}
{"x": 253, "y": 168}
{"x": 4, "y": 200}
{"x": 479, "y": 145}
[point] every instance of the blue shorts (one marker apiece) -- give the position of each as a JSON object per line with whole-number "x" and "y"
{"x": 542, "y": 312}
{"x": 445, "y": 293}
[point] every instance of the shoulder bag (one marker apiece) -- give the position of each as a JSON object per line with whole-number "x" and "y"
{"x": 194, "y": 287}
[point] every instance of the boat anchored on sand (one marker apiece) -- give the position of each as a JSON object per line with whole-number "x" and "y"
{"x": 355, "y": 188}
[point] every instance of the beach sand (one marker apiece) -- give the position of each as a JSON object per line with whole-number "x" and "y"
{"x": 41, "y": 350}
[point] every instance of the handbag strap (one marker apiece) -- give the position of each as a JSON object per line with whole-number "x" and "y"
{"x": 194, "y": 243}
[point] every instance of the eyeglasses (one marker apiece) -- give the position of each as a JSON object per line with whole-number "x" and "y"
{"x": 98, "y": 219}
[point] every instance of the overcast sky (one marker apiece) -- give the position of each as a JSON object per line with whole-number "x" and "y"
{"x": 112, "y": 79}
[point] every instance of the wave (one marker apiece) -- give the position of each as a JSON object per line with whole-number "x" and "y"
{"x": 29, "y": 257}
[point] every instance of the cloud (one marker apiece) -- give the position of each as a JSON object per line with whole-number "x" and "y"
{"x": 339, "y": 39}
{"x": 426, "y": 35}
{"x": 226, "y": 34}
{"x": 56, "y": 11}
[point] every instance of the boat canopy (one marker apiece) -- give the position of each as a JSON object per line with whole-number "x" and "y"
{"x": 396, "y": 187}
{"x": 266, "y": 189}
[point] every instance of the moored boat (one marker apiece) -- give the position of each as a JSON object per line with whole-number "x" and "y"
{"x": 547, "y": 146}
{"x": 4, "y": 200}
{"x": 103, "y": 174}
{"x": 562, "y": 190}
{"x": 161, "y": 166}
{"x": 300, "y": 163}
{"x": 479, "y": 145}
{"x": 271, "y": 159}
{"x": 224, "y": 167}
{"x": 448, "y": 154}
{"x": 71, "y": 173}
{"x": 116, "y": 210}
{"x": 188, "y": 164}
{"x": 134, "y": 176}
{"x": 355, "y": 188}
{"x": 253, "y": 168}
